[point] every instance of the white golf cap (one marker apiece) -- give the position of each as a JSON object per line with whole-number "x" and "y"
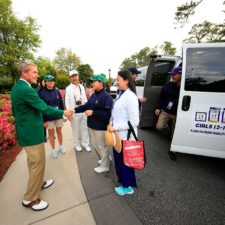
{"x": 72, "y": 72}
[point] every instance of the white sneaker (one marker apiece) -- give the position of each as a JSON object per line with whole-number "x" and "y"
{"x": 78, "y": 148}
{"x": 101, "y": 169}
{"x": 88, "y": 149}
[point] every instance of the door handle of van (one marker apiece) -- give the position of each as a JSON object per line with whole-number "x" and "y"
{"x": 186, "y": 103}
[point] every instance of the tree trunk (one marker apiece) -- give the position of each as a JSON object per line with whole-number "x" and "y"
{"x": 12, "y": 71}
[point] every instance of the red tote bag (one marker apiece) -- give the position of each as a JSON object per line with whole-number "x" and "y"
{"x": 133, "y": 151}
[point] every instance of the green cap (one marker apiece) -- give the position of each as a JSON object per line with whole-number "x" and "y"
{"x": 48, "y": 77}
{"x": 99, "y": 77}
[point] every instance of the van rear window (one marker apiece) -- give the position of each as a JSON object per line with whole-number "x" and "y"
{"x": 205, "y": 69}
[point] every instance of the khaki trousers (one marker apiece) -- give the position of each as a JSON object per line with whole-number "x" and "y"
{"x": 98, "y": 142}
{"x": 36, "y": 167}
{"x": 80, "y": 130}
{"x": 162, "y": 124}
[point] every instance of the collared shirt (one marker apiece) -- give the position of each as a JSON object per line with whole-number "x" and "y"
{"x": 74, "y": 93}
{"x": 25, "y": 81}
{"x": 101, "y": 104}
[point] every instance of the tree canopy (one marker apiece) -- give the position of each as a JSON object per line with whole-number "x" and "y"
{"x": 138, "y": 59}
{"x": 18, "y": 39}
{"x": 141, "y": 58}
{"x": 85, "y": 72}
{"x": 202, "y": 32}
{"x": 167, "y": 48}
{"x": 45, "y": 66}
{"x": 66, "y": 60}
{"x": 185, "y": 10}
{"x": 206, "y": 32}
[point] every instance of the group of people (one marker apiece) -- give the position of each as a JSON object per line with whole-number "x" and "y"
{"x": 89, "y": 119}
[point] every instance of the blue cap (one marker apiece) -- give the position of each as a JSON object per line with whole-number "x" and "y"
{"x": 177, "y": 70}
{"x": 134, "y": 70}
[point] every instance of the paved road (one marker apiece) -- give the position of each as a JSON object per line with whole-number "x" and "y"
{"x": 188, "y": 191}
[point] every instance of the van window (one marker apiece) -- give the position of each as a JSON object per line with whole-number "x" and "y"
{"x": 140, "y": 80}
{"x": 205, "y": 70}
{"x": 160, "y": 73}
{"x": 140, "y": 83}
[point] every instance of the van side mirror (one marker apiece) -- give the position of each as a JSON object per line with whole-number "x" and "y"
{"x": 186, "y": 103}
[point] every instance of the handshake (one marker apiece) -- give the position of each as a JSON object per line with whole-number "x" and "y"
{"x": 68, "y": 113}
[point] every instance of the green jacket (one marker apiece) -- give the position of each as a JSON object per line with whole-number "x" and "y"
{"x": 27, "y": 109}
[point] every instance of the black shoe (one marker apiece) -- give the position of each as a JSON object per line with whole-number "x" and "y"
{"x": 172, "y": 156}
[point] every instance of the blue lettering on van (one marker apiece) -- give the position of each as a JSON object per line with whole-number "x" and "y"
{"x": 203, "y": 125}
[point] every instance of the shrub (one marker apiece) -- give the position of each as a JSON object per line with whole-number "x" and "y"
{"x": 62, "y": 81}
{"x": 7, "y": 127}
{"x": 5, "y": 84}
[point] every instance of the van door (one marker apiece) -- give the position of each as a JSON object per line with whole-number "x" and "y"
{"x": 157, "y": 76}
{"x": 200, "y": 126}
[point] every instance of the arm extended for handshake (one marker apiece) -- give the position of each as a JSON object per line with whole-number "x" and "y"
{"x": 68, "y": 113}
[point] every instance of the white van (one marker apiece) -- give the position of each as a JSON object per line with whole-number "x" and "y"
{"x": 113, "y": 90}
{"x": 140, "y": 80}
{"x": 200, "y": 125}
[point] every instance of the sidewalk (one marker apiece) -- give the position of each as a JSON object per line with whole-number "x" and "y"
{"x": 67, "y": 201}
{"x": 79, "y": 196}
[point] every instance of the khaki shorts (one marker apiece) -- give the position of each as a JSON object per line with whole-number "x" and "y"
{"x": 55, "y": 123}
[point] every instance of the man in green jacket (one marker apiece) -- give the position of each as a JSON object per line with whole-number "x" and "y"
{"x": 27, "y": 109}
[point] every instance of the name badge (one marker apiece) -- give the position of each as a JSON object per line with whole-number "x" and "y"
{"x": 170, "y": 105}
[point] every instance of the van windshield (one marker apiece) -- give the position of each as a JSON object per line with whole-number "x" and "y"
{"x": 205, "y": 70}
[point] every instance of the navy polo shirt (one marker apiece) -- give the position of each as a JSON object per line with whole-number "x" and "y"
{"x": 101, "y": 104}
{"x": 51, "y": 97}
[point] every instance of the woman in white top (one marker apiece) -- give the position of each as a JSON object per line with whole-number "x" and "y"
{"x": 125, "y": 109}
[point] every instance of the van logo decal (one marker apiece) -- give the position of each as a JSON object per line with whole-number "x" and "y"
{"x": 208, "y": 121}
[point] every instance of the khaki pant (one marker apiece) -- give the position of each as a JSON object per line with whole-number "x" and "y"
{"x": 98, "y": 142}
{"x": 162, "y": 124}
{"x": 36, "y": 167}
{"x": 80, "y": 130}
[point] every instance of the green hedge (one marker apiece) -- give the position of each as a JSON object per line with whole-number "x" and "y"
{"x": 62, "y": 81}
{"x": 5, "y": 84}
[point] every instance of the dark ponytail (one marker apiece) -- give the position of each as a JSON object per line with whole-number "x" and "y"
{"x": 126, "y": 75}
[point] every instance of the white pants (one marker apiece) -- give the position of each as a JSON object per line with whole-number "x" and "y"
{"x": 80, "y": 130}
{"x": 98, "y": 142}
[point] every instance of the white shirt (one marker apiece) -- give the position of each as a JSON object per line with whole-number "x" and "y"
{"x": 25, "y": 81}
{"x": 125, "y": 109}
{"x": 74, "y": 93}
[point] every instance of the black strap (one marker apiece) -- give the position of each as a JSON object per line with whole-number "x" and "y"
{"x": 80, "y": 93}
{"x": 131, "y": 131}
